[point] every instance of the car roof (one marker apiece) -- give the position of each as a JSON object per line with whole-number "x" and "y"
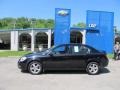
{"x": 76, "y": 44}
{"x": 73, "y": 44}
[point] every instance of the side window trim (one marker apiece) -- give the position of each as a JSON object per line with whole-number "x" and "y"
{"x": 70, "y": 49}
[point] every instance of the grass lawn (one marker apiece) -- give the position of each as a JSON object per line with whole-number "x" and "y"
{"x": 110, "y": 56}
{"x": 13, "y": 53}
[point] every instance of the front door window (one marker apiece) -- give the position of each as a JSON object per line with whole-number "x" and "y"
{"x": 60, "y": 50}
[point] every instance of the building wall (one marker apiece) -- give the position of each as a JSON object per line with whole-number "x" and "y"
{"x": 16, "y": 34}
{"x": 100, "y": 33}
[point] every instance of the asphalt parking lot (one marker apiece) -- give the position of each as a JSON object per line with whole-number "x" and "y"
{"x": 12, "y": 79}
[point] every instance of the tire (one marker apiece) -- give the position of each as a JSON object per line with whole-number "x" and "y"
{"x": 24, "y": 71}
{"x": 93, "y": 68}
{"x": 118, "y": 57}
{"x": 35, "y": 68}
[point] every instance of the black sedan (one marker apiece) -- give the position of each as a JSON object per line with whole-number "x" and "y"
{"x": 64, "y": 57}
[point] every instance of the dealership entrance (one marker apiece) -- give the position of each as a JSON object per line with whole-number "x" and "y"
{"x": 5, "y": 40}
{"x": 24, "y": 40}
{"x": 41, "y": 40}
{"x": 76, "y": 37}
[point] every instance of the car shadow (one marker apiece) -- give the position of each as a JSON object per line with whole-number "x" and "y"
{"x": 102, "y": 71}
{"x": 65, "y": 72}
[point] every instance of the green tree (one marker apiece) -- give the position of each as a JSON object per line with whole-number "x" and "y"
{"x": 40, "y": 23}
{"x": 80, "y": 24}
{"x": 49, "y": 23}
{"x": 23, "y": 22}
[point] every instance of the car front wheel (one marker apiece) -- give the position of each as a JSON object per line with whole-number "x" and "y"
{"x": 92, "y": 68}
{"x": 35, "y": 68}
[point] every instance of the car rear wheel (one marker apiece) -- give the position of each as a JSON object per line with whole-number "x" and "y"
{"x": 93, "y": 68}
{"x": 35, "y": 68}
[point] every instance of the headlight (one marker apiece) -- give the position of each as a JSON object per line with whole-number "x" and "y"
{"x": 23, "y": 59}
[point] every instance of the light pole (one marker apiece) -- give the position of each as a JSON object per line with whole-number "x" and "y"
{"x": 14, "y": 24}
{"x": 32, "y": 36}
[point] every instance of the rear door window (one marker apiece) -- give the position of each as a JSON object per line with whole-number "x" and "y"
{"x": 80, "y": 49}
{"x": 84, "y": 50}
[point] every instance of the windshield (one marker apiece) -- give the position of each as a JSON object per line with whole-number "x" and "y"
{"x": 47, "y": 51}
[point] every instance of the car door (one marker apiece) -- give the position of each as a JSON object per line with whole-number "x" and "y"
{"x": 77, "y": 57}
{"x": 58, "y": 59}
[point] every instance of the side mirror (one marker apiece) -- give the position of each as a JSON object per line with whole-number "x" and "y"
{"x": 51, "y": 54}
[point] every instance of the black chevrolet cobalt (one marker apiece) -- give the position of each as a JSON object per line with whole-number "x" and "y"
{"x": 65, "y": 57}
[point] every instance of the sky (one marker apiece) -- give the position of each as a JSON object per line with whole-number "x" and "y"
{"x": 45, "y": 9}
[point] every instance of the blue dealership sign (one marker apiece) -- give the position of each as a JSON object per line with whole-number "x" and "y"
{"x": 100, "y": 33}
{"x": 62, "y": 26}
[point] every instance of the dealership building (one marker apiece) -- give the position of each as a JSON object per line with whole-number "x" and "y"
{"x": 35, "y": 38}
{"x": 99, "y": 33}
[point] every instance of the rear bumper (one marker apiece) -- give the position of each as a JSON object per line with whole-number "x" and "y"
{"x": 104, "y": 62}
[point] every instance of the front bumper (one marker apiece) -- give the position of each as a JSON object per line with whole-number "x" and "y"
{"x": 22, "y": 65}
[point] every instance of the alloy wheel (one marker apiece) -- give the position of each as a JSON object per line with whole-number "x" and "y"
{"x": 35, "y": 68}
{"x": 93, "y": 68}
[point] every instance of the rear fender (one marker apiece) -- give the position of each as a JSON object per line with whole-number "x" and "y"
{"x": 94, "y": 60}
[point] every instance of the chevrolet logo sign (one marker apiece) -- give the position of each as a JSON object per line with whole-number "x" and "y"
{"x": 63, "y": 12}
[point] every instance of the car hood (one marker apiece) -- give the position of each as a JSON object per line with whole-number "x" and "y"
{"x": 36, "y": 54}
